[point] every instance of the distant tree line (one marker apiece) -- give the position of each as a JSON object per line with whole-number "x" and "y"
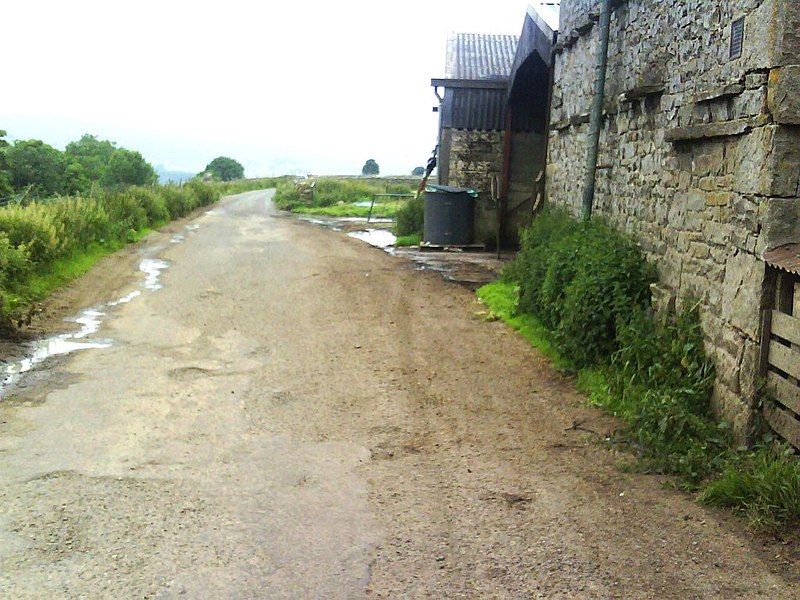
{"x": 37, "y": 170}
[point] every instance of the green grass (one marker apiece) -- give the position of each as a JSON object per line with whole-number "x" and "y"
{"x": 765, "y": 485}
{"x": 661, "y": 425}
{"x": 501, "y": 299}
{"x": 408, "y": 240}
{"x": 379, "y": 211}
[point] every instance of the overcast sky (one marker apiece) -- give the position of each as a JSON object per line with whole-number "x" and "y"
{"x": 286, "y": 85}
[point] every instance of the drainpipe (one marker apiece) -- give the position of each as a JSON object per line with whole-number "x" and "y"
{"x": 596, "y": 119}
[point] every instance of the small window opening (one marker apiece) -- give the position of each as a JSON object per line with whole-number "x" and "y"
{"x": 737, "y": 38}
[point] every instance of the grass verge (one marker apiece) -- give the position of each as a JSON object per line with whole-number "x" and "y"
{"x": 413, "y": 239}
{"x": 666, "y": 425}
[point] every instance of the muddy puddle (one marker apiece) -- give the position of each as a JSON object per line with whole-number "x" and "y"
{"x": 90, "y": 322}
{"x": 473, "y": 268}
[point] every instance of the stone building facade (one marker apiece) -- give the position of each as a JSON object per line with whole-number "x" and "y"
{"x": 699, "y": 155}
{"x": 475, "y": 159}
{"x": 493, "y": 122}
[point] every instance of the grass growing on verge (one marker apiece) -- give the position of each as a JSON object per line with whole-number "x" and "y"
{"x": 413, "y": 239}
{"x": 651, "y": 373}
{"x": 381, "y": 210}
{"x": 501, "y": 299}
{"x": 765, "y": 485}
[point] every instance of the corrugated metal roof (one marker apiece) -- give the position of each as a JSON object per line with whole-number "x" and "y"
{"x": 480, "y": 56}
{"x": 474, "y": 109}
{"x": 785, "y": 257}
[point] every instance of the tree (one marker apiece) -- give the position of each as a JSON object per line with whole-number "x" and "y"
{"x": 418, "y": 171}
{"x": 34, "y": 165}
{"x": 370, "y": 168}
{"x": 127, "y": 167}
{"x": 5, "y": 177}
{"x": 225, "y": 169}
{"x": 92, "y": 154}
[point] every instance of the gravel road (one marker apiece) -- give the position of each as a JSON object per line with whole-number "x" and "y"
{"x": 297, "y": 415}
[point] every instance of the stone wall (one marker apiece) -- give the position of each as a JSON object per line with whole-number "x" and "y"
{"x": 699, "y": 155}
{"x": 475, "y": 157}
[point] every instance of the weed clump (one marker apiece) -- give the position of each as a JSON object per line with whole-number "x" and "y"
{"x": 410, "y": 218}
{"x": 765, "y": 485}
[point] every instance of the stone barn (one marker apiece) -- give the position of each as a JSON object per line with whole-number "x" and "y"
{"x": 699, "y": 159}
{"x": 493, "y": 121}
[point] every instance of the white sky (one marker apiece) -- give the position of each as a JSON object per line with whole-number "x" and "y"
{"x": 286, "y": 85}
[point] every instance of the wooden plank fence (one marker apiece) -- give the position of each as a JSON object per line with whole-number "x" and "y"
{"x": 780, "y": 344}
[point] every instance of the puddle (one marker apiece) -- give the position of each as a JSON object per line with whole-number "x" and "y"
{"x": 152, "y": 268}
{"x": 176, "y": 239}
{"x": 193, "y": 226}
{"x": 380, "y": 238}
{"x": 65, "y": 343}
{"x": 90, "y": 321}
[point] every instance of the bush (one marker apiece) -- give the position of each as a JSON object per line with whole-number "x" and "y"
{"x": 125, "y": 214}
{"x": 409, "y": 218}
{"x": 32, "y": 227}
{"x": 583, "y": 280}
{"x": 287, "y": 195}
{"x": 153, "y": 203}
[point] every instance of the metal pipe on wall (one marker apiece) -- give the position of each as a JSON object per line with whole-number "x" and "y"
{"x": 596, "y": 118}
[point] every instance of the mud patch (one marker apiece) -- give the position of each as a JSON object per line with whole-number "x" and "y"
{"x": 189, "y": 373}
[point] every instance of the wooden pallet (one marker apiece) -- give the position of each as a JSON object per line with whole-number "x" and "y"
{"x": 452, "y": 247}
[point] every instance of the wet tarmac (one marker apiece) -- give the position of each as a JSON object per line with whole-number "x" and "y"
{"x": 90, "y": 321}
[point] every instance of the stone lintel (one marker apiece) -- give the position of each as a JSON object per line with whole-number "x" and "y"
{"x": 718, "y": 129}
{"x": 725, "y": 91}
{"x": 642, "y": 91}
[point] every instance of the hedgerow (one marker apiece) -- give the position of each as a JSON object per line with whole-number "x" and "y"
{"x": 33, "y": 236}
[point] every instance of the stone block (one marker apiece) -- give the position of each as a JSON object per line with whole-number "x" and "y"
{"x": 780, "y": 222}
{"x": 749, "y": 104}
{"x": 755, "y": 80}
{"x": 718, "y": 198}
{"x": 742, "y": 293}
{"x": 728, "y": 406}
{"x": 752, "y": 158}
{"x": 787, "y": 27}
{"x": 783, "y": 96}
{"x": 716, "y": 233}
{"x": 748, "y": 371}
{"x": 695, "y": 200}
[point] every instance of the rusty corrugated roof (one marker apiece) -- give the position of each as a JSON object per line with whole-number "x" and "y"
{"x": 480, "y": 56}
{"x": 784, "y": 257}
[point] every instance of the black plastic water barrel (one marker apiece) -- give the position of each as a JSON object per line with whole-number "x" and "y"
{"x": 449, "y": 216}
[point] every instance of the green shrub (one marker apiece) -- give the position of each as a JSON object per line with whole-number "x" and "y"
{"x": 125, "y": 214}
{"x": 153, "y": 203}
{"x": 582, "y": 280}
{"x": 14, "y": 261}
{"x": 33, "y": 228}
{"x": 180, "y": 201}
{"x": 409, "y": 218}
{"x": 287, "y": 195}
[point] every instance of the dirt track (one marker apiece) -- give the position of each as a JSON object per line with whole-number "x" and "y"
{"x": 296, "y": 415}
